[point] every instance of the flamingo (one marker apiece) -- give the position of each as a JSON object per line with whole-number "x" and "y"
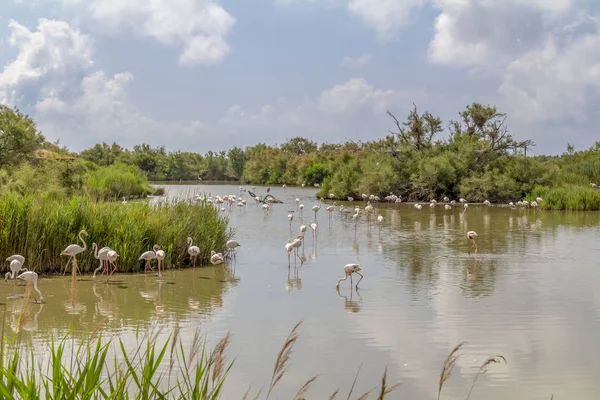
{"x": 471, "y": 235}
{"x": 193, "y": 251}
{"x": 290, "y": 218}
{"x": 148, "y": 256}
{"x": 330, "y": 210}
{"x": 216, "y": 258}
{"x": 231, "y": 246}
{"x": 16, "y": 266}
{"x": 160, "y": 257}
{"x": 380, "y": 219}
{"x": 316, "y": 208}
{"x": 32, "y": 276}
{"x": 313, "y": 226}
{"x": 350, "y": 269}
{"x": 112, "y": 257}
{"x": 72, "y": 250}
{"x": 102, "y": 256}
{"x": 299, "y": 241}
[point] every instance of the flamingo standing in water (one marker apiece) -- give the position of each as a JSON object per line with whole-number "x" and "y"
{"x": 160, "y": 258}
{"x": 193, "y": 251}
{"x": 471, "y": 235}
{"x": 15, "y": 266}
{"x": 112, "y": 257}
{"x": 231, "y": 246}
{"x": 302, "y": 231}
{"x": 350, "y": 269}
{"x": 33, "y": 277}
{"x": 72, "y": 250}
{"x": 316, "y": 208}
{"x": 102, "y": 256}
{"x": 313, "y": 226}
{"x": 148, "y": 256}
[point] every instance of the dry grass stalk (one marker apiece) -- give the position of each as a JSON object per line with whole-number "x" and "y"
{"x": 334, "y": 395}
{"x": 174, "y": 341}
{"x": 217, "y": 358}
{"x": 354, "y": 382}
{"x": 302, "y": 391}
{"x": 247, "y": 393}
{"x": 365, "y": 394}
{"x": 449, "y": 366}
{"x": 195, "y": 346}
{"x": 490, "y": 360}
{"x": 385, "y": 390}
{"x": 283, "y": 358}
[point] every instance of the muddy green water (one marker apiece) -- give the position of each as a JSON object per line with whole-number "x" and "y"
{"x": 531, "y": 294}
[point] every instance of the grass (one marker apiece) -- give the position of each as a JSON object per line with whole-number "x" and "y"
{"x": 568, "y": 197}
{"x": 117, "y": 181}
{"x": 39, "y": 229}
{"x": 144, "y": 373}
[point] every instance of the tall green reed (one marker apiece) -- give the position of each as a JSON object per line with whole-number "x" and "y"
{"x": 40, "y": 228}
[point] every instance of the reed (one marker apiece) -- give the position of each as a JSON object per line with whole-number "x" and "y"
{"x": 193, "y": 373}
{"x": 567, "y": 197}
{"x": 40, "y": 228}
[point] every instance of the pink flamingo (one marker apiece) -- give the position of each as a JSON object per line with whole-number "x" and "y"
{"x": 350, "y": 269}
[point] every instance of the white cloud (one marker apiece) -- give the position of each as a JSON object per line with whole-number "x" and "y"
{"x": 358, "y": 92}
{"x": 199, "y": 27}
{"x": 385, "y": 16}
{"x": 544, "y": 53}
{"x": 53, "y": 75}
{"x": 52, "y": 54}
{"x": 358, "y": 62}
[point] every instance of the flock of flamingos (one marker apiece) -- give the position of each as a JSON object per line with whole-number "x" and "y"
{"x": 108, "y": 256}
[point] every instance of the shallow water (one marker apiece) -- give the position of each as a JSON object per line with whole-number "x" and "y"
{"x": 530, "y": 294}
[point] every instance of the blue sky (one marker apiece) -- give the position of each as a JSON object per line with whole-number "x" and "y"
{"x": 205, "y": 75}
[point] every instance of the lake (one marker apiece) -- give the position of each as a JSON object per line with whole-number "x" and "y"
{"x": 529, "y": 294}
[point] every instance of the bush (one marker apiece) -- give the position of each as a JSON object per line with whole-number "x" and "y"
{"x": 117, "y": 180}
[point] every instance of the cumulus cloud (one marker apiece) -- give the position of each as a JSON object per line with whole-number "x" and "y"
{"x": 198, "y": 27}
{"x": 53, "y": 75}
{"x": 544, "y": 53}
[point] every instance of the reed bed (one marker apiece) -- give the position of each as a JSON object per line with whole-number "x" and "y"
{"x": 568, "y": 197}
{"x": 153, "y": 371}
{"x": 40, "y": 228}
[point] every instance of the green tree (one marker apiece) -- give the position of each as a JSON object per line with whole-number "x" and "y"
{"x": 237, "y": 160}
{"x": 299, "y": 145}
{"x": 19, "y": 137}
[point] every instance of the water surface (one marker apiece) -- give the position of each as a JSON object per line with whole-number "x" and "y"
{"x": 530, "y": 294}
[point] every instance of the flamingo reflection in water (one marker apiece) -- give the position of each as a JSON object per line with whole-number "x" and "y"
{"x": 351, "y": 306}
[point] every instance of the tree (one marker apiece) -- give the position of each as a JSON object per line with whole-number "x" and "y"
{"x": 237, "y": 160}
{"x": 299, "y": 145}
{"x": 19, "y": 137}
{"x": 489, "y": 126}
{"x": 418, "y": 130}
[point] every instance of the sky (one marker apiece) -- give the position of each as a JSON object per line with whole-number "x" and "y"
{"x": 199, "y": 75}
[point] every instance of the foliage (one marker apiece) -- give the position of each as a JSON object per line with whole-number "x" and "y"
{"x": 19, "y": 137}
{"x": 40, "y": 227}
{"x": 117, "y": 181}
{"x": 568, "y": 197}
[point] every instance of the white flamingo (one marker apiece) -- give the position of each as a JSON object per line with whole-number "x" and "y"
{"x": 231, "y": 246}
{"x": 148, "y": 256}
{"x": 193, "y": 251}
{"x": 471, "y": 235}
{"x": 350, "y": 269}
{"x": 102, "y": 256}
{"x": 15, "y": 266}
{"x": 216, "y": 258}
{"x": 316, "y": 208}
{"x": 160, "y": 258}
{"x": 33, "y": 277}
{"x": 112, "y": 257}
{"x": 72, "y": 250}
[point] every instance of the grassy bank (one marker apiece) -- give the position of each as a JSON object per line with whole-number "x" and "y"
{"x": 40, "y": 228}
{"x": 191, "y": 373}
{"x": 567, "y": 197}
